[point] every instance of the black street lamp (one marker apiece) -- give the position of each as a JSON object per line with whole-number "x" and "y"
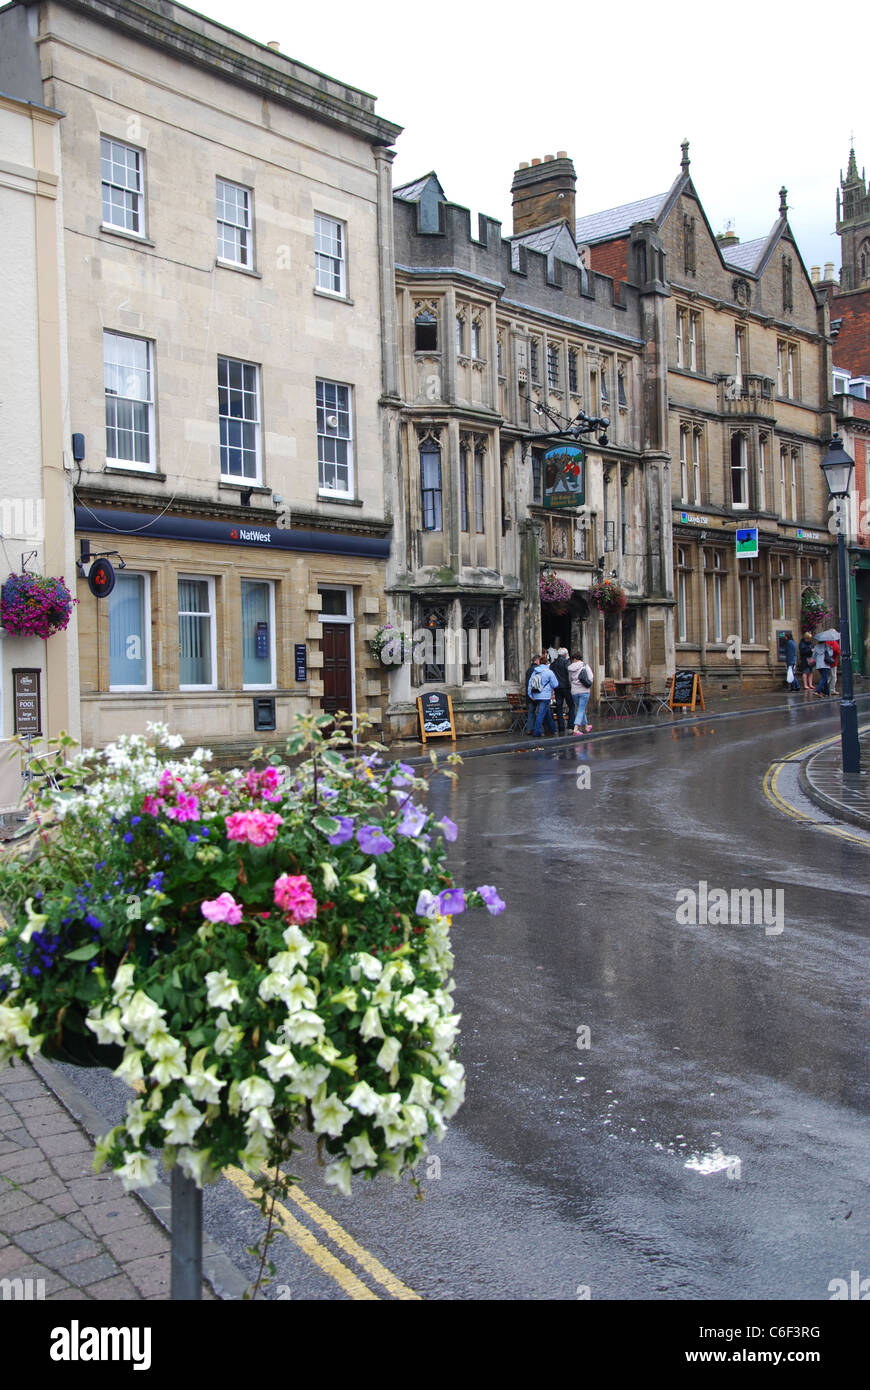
{"x": 837, "y": 467}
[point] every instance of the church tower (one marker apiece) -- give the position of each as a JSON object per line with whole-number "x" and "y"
{"x": 853, "y": 228}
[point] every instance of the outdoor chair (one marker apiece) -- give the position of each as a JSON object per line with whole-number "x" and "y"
{"x": 610, "y": 702}
{"x": 518, "y": 712}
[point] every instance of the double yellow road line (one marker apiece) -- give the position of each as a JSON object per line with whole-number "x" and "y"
{"x": 775, "y": 797}
{"x": 320, "y": 1254}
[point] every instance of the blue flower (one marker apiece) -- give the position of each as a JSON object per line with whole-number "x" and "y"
{"x": 128, "y": 838}
{"x": 449, "y": 829}
{"x": 451, "y": 901}
{"x": 344, "y": 831}
{"x": 134, "y": 820}
{"x": 493, "y": 902}
{"x": 412, "y": 822}
{"x": 372, "y": 840}
{"x": 155, "y": 882}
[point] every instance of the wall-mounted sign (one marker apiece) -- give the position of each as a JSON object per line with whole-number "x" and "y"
{"x": 262, "y": 641}
{"x": 693, "y": 519}
{"x": 747, "y": 541}
{"x": 808, "y": 535}
{"x": 565, "y": 476}
{"x": 435, "y": 712}
{"x": 27, "y": 701}
{"x": 101, "y": 578}
{"x": 146, "y": 525}
{"x": 301, "y": 660}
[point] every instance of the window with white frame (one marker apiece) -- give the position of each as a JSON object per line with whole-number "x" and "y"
{"x": 739, "y": 356}
{"x": 762, "y": 472}
{"x": 476, "y": 339}
{"x": 234, "y": 241}
{"x": 130, "y": 632}
{"x": 693, "y": 342}
{"x": 783, "y": 476}
{"x": 239, "y": 416}
{"x": 688, "y": 330}
{"x": 334, "y": 439}
{"x": 739, "y": 475}
{"x": 330, "y": 258}
{"x": 129, "y": 391}
{"x": 122, "y": 187}
{"x": 684, "y": 463}
{"x": 780, "y": 587}
{"x": 258, "y": 634}
{"x": 196, "y": 633}
{"x": 697, "y": 433}
{"x": 682, "y": 594}
{"x": 748, "y": 585}
{"x": 718, "y": 595}
{"x": 793, "y": 483}
{"x": 787, "y": 374}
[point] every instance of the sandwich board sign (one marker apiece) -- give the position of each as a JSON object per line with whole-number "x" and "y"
{"x": 686, "y": 690}
{"x": 435, "y": 712}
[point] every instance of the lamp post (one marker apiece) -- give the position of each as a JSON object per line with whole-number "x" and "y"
{"x": 837, "y": 467}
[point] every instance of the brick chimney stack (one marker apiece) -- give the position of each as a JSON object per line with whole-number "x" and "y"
{"x": 544, "y": 192}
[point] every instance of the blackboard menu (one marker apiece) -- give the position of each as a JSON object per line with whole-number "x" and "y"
{"x": 301, "y": 661}
{"x": 686, "y": 690}
{"x": 436, "y": 715}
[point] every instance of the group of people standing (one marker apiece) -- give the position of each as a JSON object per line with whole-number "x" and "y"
{"x": 808, "y": 657}
{"x": 567, "y": 684}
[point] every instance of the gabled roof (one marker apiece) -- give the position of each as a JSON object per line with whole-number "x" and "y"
{"x": 411, "y": 192}
{"x": 746, "y": 254}
{"x": 602, "y": 226}
{"x": 540, "y": 239}
{"x": 555, "y": 242}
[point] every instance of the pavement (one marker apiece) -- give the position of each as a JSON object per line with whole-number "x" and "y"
{"x": 86, "y": 1239}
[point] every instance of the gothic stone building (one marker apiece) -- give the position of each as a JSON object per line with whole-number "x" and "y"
{"x": 227, "y": 267}
{"x": 739, "y": 356}
{"x": 501, "y": 340}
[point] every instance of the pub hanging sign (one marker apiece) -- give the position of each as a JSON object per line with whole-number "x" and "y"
{"x": 565, "y": 476}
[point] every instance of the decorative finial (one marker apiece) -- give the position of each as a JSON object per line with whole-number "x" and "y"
{"x": 684, "y": 162}
{"x": 783, "y": 205}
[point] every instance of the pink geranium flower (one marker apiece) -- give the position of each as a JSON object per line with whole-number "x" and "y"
{"x": 295, "y": 896}
{"x": 186, "y": 808}
{"x": 151, "y": 805}
{"x": 222, "y": 909}
{"x": 255, "y": 827}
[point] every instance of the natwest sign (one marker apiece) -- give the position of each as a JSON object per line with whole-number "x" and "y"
{"x": 247, "y": 533}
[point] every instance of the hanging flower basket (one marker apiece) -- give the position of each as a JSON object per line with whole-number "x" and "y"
{"x": 268, "y": 951}
{"x": 34, "y": 605}
{"x": 815, "y": 613}
{"x": 389, "y": 645}
{"x": 609, "y": 598}
{"x": 554, "y": 590}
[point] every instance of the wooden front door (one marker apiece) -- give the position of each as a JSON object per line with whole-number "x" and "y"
{"x": 335, "y": 644}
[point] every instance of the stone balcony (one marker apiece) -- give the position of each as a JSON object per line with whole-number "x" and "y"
{"x": 748, "y": 395}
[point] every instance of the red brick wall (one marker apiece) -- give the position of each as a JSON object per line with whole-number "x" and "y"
{"x": 611, "y": 258}
{"x": 852, "y": 344}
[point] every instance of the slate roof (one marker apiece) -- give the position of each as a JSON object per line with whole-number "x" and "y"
{"x": 410, "y": 192}
{"x": 601, "y": 226}
{"x": 540, "y": 239}
{"x": 746, "y": 255}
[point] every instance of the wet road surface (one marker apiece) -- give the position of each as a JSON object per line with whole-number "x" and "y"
{"x": 656, "y": 1109}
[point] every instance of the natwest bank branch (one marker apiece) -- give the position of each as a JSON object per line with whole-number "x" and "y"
{"x": 225, "y": 630}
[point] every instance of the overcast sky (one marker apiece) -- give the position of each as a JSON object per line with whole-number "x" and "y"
{"x": 479, "y": 87}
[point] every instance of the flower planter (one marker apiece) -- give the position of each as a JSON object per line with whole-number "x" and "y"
{"x": 35, "y": 605}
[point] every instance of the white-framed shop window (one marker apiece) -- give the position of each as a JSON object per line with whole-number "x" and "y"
{"x": 258, "y": 634}
{"x": 197, "y": 667}
{"x": 129, "y": 608}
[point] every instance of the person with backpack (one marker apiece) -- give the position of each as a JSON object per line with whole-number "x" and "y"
{"x": 581, "y": 689}
{"x": 564, "y": 702}
{"x": 834, "y": 662}
{"x": 541, "y": 685}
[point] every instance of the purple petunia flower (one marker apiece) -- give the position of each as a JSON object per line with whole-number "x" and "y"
{"x": 344, "y": 831}
{"x": 493, "y": 902}
{"x": 372, "y": 840}
{"x": 449, "y": 829}
{"x": 412, "y": 822}
{"x": 426, "y": 904}
{"x": 405, "y": 775}
{"x": 451, "y": 901}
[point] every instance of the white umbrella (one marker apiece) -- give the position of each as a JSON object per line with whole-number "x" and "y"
{"x": 829, "y": 635}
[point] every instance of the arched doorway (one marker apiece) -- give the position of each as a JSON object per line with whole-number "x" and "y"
{"x": 568, "y": 625}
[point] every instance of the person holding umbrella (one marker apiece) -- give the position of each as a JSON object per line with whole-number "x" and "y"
{"x": 820, "y": 652}
{"x": 831, "y": 639}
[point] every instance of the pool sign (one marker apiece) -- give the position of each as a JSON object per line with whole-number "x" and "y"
{"x": 747, "y": 541}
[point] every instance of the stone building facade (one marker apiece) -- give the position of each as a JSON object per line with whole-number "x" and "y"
{"x": 36, "y": 512}
{"x": 739, "y": 356}
{"x": 501, "y": 342}
{"x": 228, "y": 277}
